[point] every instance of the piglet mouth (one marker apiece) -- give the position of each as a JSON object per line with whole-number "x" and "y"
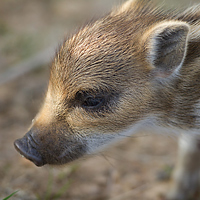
{"x": 51, "y": 150}
{"x": 28, "y": 148}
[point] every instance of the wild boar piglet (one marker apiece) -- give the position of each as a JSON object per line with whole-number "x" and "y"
{"x": 136, "y": 69}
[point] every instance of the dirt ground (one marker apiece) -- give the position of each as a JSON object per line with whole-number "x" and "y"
{"x": 138, "y": 167}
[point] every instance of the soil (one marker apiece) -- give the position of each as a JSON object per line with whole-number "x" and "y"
{"x": 138, "y": 167}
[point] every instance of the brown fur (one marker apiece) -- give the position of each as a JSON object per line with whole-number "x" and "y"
{"x": 109, "y": 56}
{"x": 130, "y": 58}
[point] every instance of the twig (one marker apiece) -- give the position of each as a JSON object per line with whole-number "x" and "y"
{"x": 26, "y": 66}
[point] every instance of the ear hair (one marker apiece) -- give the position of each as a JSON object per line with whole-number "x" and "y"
{"x": 125, "y": 6}
{"x": 130, "y": 4}
{"x": 167, "y": 45}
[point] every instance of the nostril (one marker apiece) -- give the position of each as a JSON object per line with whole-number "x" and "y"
{"x": 32, "y": 139}
{"x": 24, "y": 147}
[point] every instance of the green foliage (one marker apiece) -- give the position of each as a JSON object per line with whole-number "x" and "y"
{"x": 63, "y": 179}
{"x": 8, "y": 197}
{"x": 21, "y": 45}
{"x": 3, "y": 28}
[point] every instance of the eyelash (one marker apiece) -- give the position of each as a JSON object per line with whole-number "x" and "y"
{"x": 88, "y": 100}
{"x": 93, "y": 102}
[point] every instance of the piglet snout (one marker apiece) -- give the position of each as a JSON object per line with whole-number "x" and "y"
{"x": 29, "y": 148}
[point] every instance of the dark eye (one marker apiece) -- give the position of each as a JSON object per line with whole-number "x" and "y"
{"x": 89, "y": 100}
{"x": 93, "y": 102}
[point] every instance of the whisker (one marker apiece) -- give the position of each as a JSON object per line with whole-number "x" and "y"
{"x": 106, "y": 158}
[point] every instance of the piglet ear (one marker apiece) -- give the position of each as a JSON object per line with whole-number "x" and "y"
{"x": 166, "y": 46}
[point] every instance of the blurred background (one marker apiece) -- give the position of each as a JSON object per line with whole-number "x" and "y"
{"x": 135, "y": 168}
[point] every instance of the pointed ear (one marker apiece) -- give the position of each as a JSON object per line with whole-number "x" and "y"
{"x": 129, "y": 5}
{"x": 166, "y": 46}
{"x": 124, "y": 7}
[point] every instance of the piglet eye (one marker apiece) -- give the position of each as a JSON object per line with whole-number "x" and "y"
{"x": 88, "y": 100}
{"x": 93, "y": 102}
